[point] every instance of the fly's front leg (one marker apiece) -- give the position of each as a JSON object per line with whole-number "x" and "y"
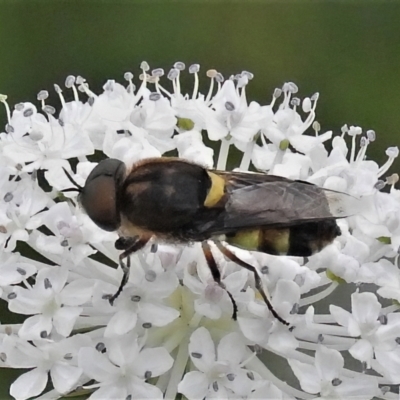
{"x": 259, "y": 286}
{"x": 217, "y": 275}
{"x": 130, "y": 245}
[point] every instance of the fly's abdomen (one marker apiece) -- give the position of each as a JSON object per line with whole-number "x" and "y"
{"x": 301, "y": 240}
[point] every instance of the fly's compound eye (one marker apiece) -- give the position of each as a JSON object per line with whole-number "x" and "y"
{"x": 99, "y": 196}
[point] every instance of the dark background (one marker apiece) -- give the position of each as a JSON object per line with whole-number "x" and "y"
{"x": 347, "y": 51}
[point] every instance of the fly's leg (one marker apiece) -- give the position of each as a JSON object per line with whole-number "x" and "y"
{"x": 259, "y": 286}
{"x": 217, "y": 275}
{"x": 130, "y": 246}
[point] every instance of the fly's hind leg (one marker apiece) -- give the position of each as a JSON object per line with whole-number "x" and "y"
{"x": 259, "y": 286}
{"x": 130, "y": 245}
{"x": 217, "y": 275}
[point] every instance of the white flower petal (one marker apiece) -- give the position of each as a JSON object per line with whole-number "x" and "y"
{"x": 328, "y": 363}
{"x": 307, "y": 376}
{"x": 96, "y": 365}
{"x": 65, "y": 377}
{"x": 29, "y": 384}
{"x": 365, "y": 307}
{"x": 157, "y": 314}
{"x": 122, "y": 322}
{"x": 255, "y": 329}
{"x": 231, "y": 348}
{"x": 33, "y": 327}
{"x": 112, "y": 391}
{"x": 143, "y": 390}
{"x": 64, "y": 319}
{"x": 194, "y": 385}
{"x": 208, "y": 309}
{"x": 362, "y": 350}
{"x": 77, "y": 292}
{"x": 202, "y": 349}
{"x": 156, "y": 360}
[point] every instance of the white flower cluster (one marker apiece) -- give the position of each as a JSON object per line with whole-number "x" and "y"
{"x": 171, "y": 330}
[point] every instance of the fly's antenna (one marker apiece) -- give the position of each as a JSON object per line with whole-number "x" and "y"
{"x": 77, "y": 188}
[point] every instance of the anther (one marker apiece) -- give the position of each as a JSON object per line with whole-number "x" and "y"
{"x": 91, "y": 101}
{"x": 150, "y": 275}
{"x": 64, "y": 243}
{"x": 44, "y": 334}
{"x": 219, "y": 77}
{"x": 11, "y": 296}
{"x": 42, "y": 95}
{"x": 230, "y": 377}
{"x": 28, "y": 112}
{"x": 144, "y": 65}
{"x": 68, "y": 356}
{"x": 371, "y": 135}
{"x": 229, "y": 106}
{"x": 136, "y": 298}
{"x": 316, "y": 126}
{"x": 154, "y": 96}
{"x": 172, "y": 74}
{"x": 248, "y": 74}
{"x": 9, "y": 128}
{"x": 128, "y": 76}
{"x": 179, "y": 65}
{"x": 158, "y": 72}
{"x": 295, "y": 101}
{"x": 380, "y": 184}
{"x": 211, "y": 73}
{"x": 21, "y": 271}
{"x": 147, "y": 375}
{"x": 315, "y": 96}
{"x": 194, "y": 68}
{"x": 292, "y": 87}
{"x": 154, "y": 248}
{"x": 383, "y": 319}
{"x": 57, "y": 88}
{"x": 215, "y": 386}
{"x": 3, "y": 357}
{"x": 277, "y": 93}
{"x": 101, "y": 347}
{"x": 392, "y": 152}
{"x": 147, "y": 325}
{"x": 8, "y": 197}
{"x": 19, "y": 106}
{"x": 265, "y": 270}
{"x": 69, "y": 81}
{"x": 336, "y": 382}
{"x": 392, "y": 179}
{"x": 250, "y": 375}
{"x": 47, "y": 283}
{"x": 196, "y": 355}
{"x": 49, "y": 110}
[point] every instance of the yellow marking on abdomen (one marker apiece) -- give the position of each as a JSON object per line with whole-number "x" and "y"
{"x": 217, "y": 190}
{"x": 275, "y": 239}
{"x": 248, "y": 240}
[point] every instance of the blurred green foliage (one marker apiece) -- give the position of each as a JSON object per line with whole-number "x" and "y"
{"x": 347, "y": 51}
